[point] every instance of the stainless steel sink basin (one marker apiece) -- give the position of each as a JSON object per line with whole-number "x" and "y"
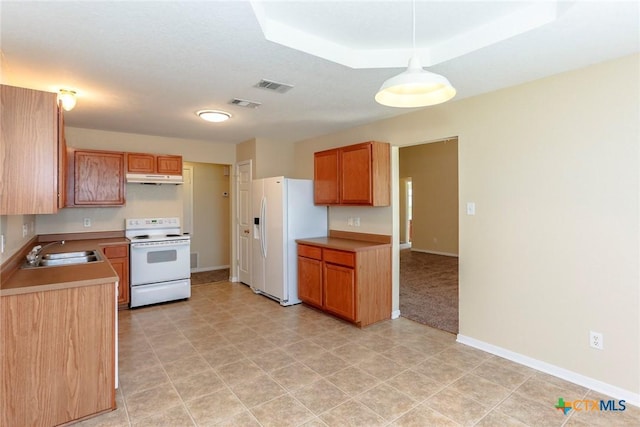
{"x": 65, "y": 258}
{"x": 63, "y": 255}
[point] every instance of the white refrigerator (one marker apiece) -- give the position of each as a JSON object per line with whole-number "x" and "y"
{"x": 282, "y": 211}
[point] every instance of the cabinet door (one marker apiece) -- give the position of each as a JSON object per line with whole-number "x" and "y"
{"x": 169, "y": 165}
{"x": 121, "y": 266}
{"x": 99, "y": 178}
{"x": 339, "y": 291}
{"x": 356, "y": 175}
{"x": 310, "y": 281}
{"x": 62, "y": 161}
{"x": 325, "y": 178}
{"x": 141, "y": 163}
{"x": 28, "y": 152}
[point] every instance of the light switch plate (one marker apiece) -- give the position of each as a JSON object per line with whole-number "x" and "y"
{"x": 471, "y": 208}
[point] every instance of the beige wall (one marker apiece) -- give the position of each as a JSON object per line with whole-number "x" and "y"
{"x": 11, "y": 229}
{"x": 211, "y": 216}
{"x": 552, "y": 252}
{"x": 433, "y": 169}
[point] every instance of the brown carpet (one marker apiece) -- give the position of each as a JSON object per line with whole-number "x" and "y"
{"x": 429, "y": 289}
{"x": 210, "y": 276}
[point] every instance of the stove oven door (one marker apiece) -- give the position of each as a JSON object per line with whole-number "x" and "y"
{"x": 153, "y": 262}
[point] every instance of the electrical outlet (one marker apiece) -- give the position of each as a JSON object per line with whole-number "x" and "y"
{"x": 356, "y": 221}
{"x": 87, "y": 222}
{"x": 350, "y": 221}
{"x": 596, "y": 340}
{"x": 25, "y": 230}
{"x": 1, "y": 243}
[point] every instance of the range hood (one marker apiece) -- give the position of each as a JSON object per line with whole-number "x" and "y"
{"x": 143, "y": 178}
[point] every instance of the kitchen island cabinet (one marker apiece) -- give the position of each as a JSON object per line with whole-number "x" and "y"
{"x": 354, "y": 175}
{"x": 32, "y": 138}
{"x": 346, "y": 277}
{"x": 58, "y": 355}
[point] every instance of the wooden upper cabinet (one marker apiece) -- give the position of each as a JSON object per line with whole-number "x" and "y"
{"x": 325, "y": 178}
{"x": 152, "y": 163}
{"x": 62, "y": 160}
{"x": 355, "y": 175}
{"x": 28, "y": 152}
{"x": 98, "y": 178}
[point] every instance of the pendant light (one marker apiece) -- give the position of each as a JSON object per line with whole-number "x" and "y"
{"x": 416, "y": 87}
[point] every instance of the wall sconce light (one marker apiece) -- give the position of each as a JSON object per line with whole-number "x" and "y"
{"x": 67, "y": 98}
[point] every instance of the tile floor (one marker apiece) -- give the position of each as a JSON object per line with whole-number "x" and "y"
{"x": 228, "y": 357}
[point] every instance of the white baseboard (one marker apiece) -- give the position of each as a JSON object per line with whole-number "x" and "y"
{"x": 202, "y": 269}
{"x": 556, "y": 371}
{"x": 405, "y": 245}
{"x": 395, "y": 314}
{"x": 234, "y": 279}
{"x": 433, "y": 252}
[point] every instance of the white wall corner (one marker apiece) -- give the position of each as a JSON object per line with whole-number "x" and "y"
{"x": 395, "y": 314}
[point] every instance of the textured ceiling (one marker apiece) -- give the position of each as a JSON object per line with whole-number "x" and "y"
{"x": 146, "y": 67}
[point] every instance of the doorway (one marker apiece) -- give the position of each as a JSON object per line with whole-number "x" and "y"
{"x": 428, "y": 215}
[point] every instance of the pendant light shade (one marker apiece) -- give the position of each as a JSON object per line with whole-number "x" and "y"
{"x": 416, "y": 87}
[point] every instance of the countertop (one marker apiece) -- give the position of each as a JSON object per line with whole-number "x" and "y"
{"x": 67, "y": 276}
{"x": 342, "y": 244}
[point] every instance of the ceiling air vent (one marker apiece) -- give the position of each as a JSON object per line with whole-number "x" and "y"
{"x": 274, "y": 86}
{"x": 244, "y": 103}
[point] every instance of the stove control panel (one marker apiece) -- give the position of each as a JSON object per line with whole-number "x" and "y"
{"x": 143, "y": 223}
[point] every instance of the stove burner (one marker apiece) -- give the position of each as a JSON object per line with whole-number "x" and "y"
{"x": 173, "y": 235}
{"x": 142, "y": 236}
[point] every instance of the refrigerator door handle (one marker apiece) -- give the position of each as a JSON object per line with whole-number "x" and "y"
{"x": 263, "y": 229}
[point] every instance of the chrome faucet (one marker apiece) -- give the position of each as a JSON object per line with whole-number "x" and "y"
{"x": 34, "y": 255}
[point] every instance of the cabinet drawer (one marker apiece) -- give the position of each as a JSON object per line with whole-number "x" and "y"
{"x": 116, "y": 251}
{"x": 340, "y": 257}
{"x": 312, "y": 252}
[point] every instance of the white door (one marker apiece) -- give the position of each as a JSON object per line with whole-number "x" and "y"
{"x": 243, "y": 230}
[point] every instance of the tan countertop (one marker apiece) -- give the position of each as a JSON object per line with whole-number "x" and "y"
{"x": 342, "y": 244}
{"x": 68, "y": 276}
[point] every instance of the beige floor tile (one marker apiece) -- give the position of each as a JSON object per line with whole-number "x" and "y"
{"x": 222, "y": 356}
{"x": 500, "y": 373}
{"x": 331, "y": 340}
{"x": 173, "y": 417}
{"x": 215, "y": 407}
{"x": 352, "y": 414}
{"x": 380, "y": 367}
{"x": 531, "y": 412}
{"x": 238, "y": 372}
{"x": 416, "y": 386}
{"x": 424, "y": 345}
{"x": 459, "y": 408}
{"x": 353, "y": 381}
{"x": 484, "y": 391}
{"x": 314, "y": 422}
{"x": 352, "y": 353}
{"x": 255, "y": 346}
{"x": 186, "y": 367}
{"x": 117, "y": 418}
{"x": 461, "y": 357}
{"x": 294, "y": 376}
{"x": 282, "y": 339}
{"x": 302, "y": 350}
{"x": 386, "y": 401}
{"x": 199, "y": 384}
{"x": 495, "y": 418}
{"x": 243, "y": 419}
{"x": 257, "y": 391}
{"x": 325, "y": 363}
{"x": 131, "y": 362}
{"x": 320, "y": 396}
{"x": 376, "y": 342}
{"x": 143, "y": 379}
{"x": 152, "y": 401}
{"x": 423, "y": 416}
{"x": 283, "y": 411}
{"x": 630, "y": 416}
{"x": 539, "y": 388}
{"x": 272, "y": 360}
{"x": 439, "y": 372}
{"x": 177, "y": 351}
{"x": 404, "y": 355}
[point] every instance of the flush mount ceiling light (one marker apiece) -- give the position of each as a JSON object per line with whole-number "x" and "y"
{"x": 67, "y": 98}
{"x": 416, "y": 87}
{"x": 215, "y": 116}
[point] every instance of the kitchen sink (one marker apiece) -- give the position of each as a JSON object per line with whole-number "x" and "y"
{"x": 63, "y": 255}
{"x": 65, "y": 258}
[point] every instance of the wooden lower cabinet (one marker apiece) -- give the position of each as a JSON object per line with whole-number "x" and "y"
{"x": 118, "y": 256}
{"x": 355, "y": 286}
{"x": 57, "y": 355}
